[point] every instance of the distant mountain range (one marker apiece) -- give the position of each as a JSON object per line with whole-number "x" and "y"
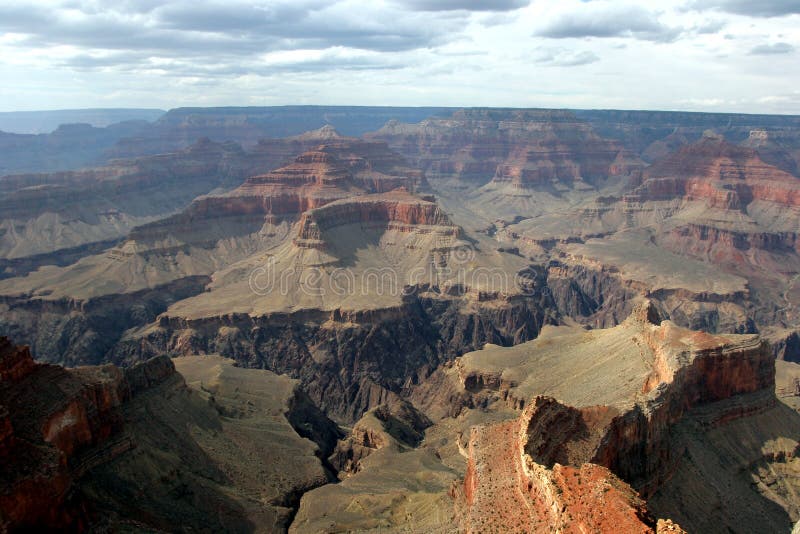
{"x": 39, "y": 122}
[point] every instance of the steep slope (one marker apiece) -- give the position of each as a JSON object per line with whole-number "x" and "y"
{"x": 628, "y": 419}
{"x": 710, "y": 232}
{"x": 54, "y": 218}
{"x": 573, "y": 432}
{"x": 103, "y": 448}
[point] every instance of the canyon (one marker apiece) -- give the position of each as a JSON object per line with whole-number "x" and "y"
{"x": 430, "y": 320}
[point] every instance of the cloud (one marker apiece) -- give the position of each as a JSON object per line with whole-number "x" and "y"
{"x": 560, "y": 57}
{"x": 465, "y": 5}
{"x": 772, "y": 49}
{"x": 757, "y": 8}
{"x": 605, "y": 19}
{"x": 208, "y": 27}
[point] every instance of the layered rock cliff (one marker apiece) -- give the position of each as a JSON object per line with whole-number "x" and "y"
{"x": 586, "y": 462}
{"x": 58, "y": 424}
{"x": 527, "y": 148}
{"x": 723, "y": 175}
{"x": 45, "y": 215}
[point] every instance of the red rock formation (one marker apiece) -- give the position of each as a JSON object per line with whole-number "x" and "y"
{"x": 760, "y": 201}
{"x": 334, "y": 170}
{"x": 506, "y": 490}
{"x": 15, "y": 362}
{"x": 48, "y": 417}
{"x": 556, "y": 467}
{"x": 527, "y": 148}
{"x": 725, "y": 175}
{"x": 398, "y": 209}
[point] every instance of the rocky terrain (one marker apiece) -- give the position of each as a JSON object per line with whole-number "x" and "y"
{"x": 519, "y": 320}
{"x": 147, "y": 448}
{"x": 636, "y": 427}
{"x": 57, "y": 218}
{"x": 522, "y": 147}
{"x": 579, "y": 430}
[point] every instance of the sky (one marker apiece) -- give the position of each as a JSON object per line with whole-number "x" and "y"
{"x": 698, "y": 55}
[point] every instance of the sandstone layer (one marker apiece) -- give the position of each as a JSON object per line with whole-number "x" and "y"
{"x": 45, "y": 217}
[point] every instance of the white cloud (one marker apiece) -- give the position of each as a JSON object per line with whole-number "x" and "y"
{"x": 559, "y": 53}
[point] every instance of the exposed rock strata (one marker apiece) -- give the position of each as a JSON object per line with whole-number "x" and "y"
{"x": 558, "y": 463}
{"x": 105, "y": 448}
{"x": 43, "y": 213}
{"x": 526, "y": 148}
{"x": 349, "y": 362}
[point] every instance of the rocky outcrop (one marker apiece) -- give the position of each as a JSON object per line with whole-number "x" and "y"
{"x": 71, "y": 211}
{"x": 106, "y": 448}
{"x": 525, "y": 148}
{"x": 83, "y": 332}
{"x": 505, "y": 489}
{"x": 339, "y": 168}
{"x": 785, "y": 344}
{"x": 53, "y": 417}
{"x": 561, "y": 463}
{"x": 399, "y": 210}
{"x": 397, "y": 425}
{"x": 350, "y": 362}
{"x": 723, "y": 175}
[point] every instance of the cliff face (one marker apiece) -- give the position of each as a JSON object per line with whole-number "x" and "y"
{"x": 53, "y": 419}
{"x": 506, "y": 489}
{"x": 563, "y": 462}
{"x": 724, "y": 175}
{"x": 346, "y": 360}
{"x": 102, "y": 447}
{"x": 398, "y": 210}
{"x": 336, "y": 169}
{"x": 531, "y": 148}
{"x": 47, "y": 215}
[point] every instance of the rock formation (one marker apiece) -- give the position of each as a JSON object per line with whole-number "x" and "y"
{"x": 53, "y": 417}
{"x": 639, "y": 406}
{"x": 56, "y": 218}
{"x": 480, "y": 337}
{"x": 101, "y": 447}
{"x": 526, "y": 148}
{"x": 565, "y": 456}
